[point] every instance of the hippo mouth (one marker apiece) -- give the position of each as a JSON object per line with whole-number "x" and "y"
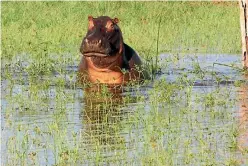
{"x": 94, "y": 54}
{"x": 101, "y": 60}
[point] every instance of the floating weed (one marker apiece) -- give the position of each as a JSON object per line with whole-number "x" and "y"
{"x": 197, "y": 70}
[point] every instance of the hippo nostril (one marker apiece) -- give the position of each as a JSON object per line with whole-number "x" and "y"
{"x": 99, "y": 42}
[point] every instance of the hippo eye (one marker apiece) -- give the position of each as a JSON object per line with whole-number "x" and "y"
{"x": 110, "y": 26}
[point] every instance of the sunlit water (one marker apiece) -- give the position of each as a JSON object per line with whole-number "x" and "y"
{"x": 53, "y": 124}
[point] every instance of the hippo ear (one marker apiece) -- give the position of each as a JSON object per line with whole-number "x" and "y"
{"x": 90, "y": 18}
{"x": 115, "y": 20}
{"x": 91, "y": 23}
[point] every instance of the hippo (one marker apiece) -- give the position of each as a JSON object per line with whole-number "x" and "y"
{"x": 105, "y": 57}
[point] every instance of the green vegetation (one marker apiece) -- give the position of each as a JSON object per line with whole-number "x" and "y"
{"x": 58, "y": 27}
{"x": 50, "y": 119}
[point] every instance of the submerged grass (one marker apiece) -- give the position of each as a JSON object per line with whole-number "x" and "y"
{"x": 171, "y": 123}
{"x": 48, "y": 119}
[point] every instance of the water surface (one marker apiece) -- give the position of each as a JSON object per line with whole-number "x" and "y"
{"x": 193, "y": 113}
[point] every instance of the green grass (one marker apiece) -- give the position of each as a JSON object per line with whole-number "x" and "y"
{"x": 58, "y": 27}
{"x": 50, "y": 119}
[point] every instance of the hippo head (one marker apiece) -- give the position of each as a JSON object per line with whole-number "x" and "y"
{"x": 103, "y": 41}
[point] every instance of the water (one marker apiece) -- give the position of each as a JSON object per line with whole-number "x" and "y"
{"x": 193, "y": 113}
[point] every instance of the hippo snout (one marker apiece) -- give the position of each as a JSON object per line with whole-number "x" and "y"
{"x": 91, "y": 47}
{"x": 96, "y": 42}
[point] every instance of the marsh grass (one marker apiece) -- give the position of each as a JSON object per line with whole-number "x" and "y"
{"x": 48, "y": 118}
{"x": 58, "y": 27}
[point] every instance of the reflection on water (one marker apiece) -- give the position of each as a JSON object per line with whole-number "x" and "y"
{"x": 194, "y": 113}
{"x": 243, "y": 116}
{"x": 102, "y": 117}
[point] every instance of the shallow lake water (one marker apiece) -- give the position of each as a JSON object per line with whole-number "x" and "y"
{"x": 193, "y": 113}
